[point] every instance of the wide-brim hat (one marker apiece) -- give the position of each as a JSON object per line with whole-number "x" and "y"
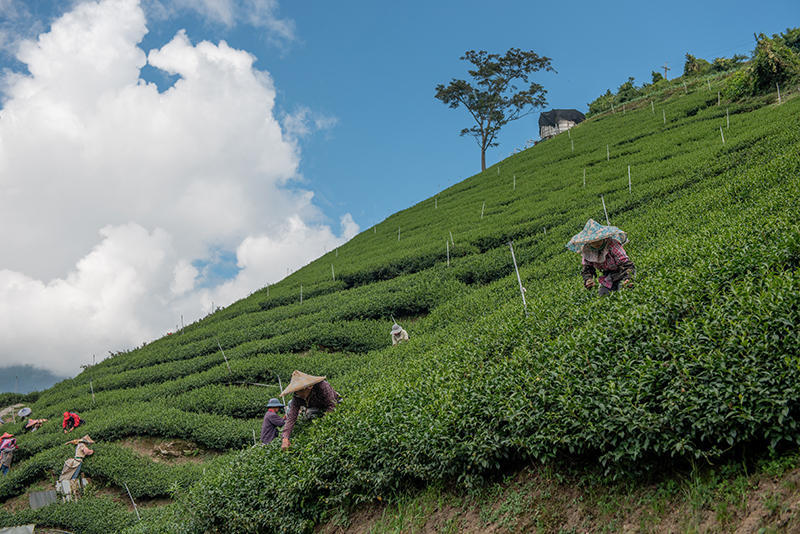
{"x": 23, "y": 412}
{"x": 594, "y": 231}
{"x": 274, "y": 403}
{"x": 396, "y": 328}
{"x": 301, "y": 381}
{"x": 6, "y": 435}
{"x": 84, "y": 439}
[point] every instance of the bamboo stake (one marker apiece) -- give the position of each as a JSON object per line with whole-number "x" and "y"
{"x": 226, "y": 358}
{"x": 630, "y": 190}
{"x": 604, "y": 210}
{"x": 663, "y": 112}
{"x": 484, "y": 205}
{"x": 722, "y": 134}
{"x": 652, "y": 107}
{"x": 92, "y": 388}
{"x": 779, "y": 93}
{"x": 608, "y": 154}
{"x": 446, "y": 242}
{"x": 584, "y": 177}
{"x": 521, "y": 289}
{"x": 333, "y": 274}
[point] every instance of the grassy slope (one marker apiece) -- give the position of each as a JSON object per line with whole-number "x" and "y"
{"x": 482, "y": 388}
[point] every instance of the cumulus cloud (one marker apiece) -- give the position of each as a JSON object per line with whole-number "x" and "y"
{"x": 112, "y": 195}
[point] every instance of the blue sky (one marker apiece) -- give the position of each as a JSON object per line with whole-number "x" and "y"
{"x": 160, "y": 156}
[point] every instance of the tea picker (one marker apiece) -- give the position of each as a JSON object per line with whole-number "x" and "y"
{"x": 272, "y": 421}
{"x": 601, "y": 249}
{"x": 314, "y": 394}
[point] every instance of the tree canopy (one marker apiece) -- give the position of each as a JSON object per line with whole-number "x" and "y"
{"x": 492, "y": 99}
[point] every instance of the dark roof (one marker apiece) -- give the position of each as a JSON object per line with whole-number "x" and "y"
{"x": 551, "y": 118}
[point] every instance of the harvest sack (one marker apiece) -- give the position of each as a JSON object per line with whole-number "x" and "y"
{"x": 71, "y": 466}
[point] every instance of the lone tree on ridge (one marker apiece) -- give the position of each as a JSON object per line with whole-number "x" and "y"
{"x": 494, "y": 101}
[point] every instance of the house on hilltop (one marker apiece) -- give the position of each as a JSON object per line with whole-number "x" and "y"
{"x": 553, "y": 122}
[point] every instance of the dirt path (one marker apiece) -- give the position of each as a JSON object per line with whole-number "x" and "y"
{"x": 10, "y": 413}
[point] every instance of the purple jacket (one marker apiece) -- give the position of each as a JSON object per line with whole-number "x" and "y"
{"x": 270, "y": 426}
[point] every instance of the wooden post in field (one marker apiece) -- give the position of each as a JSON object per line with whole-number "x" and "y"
{"x": 436, "y": 203}
{"x": 301, "y": 293}
{"x": 722, "y": 135}
{"x": 604, "y": 209}
{"x": 584, "y": 177}
{"x": 573, "y": 144}
{"x": 521, "y": 289}
{"x": 333, "y": 274}
{"x": 652, "y": 107}
{"x": 779, "y": 93}
{"x": 446, "y": 242}
{"x": 515, "y": 182}
{"x": 608, "y": 154}
{"x": 663, "y": 112}
{"x": 484, "y": 205}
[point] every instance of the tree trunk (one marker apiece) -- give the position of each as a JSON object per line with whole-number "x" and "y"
{"x": 483, "y": 159}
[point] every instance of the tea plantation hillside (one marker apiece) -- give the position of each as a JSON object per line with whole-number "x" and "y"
{"x": 698, "y": 361}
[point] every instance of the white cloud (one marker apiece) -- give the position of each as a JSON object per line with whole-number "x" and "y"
{"x": 304, "y": 122}
{"x": 167, "y": 179}
{"x": 261, "y": 14}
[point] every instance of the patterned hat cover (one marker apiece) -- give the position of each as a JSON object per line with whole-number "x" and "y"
{"x": 301, "y": 381}
{"x": 85, "y": 439}
{"x": 594, "y": 231}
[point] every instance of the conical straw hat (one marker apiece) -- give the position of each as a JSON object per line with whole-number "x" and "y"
{"x": 594, "y": 231}
{"x": 301, "y": 381}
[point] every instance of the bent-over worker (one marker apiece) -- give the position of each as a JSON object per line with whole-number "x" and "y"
{"x": 601, "y": 249}
{"x": 399, "y": 335}
{"x": 313, "y": 393}
{"x": 71, "y": 421}
{"x": 72, "y": 467}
